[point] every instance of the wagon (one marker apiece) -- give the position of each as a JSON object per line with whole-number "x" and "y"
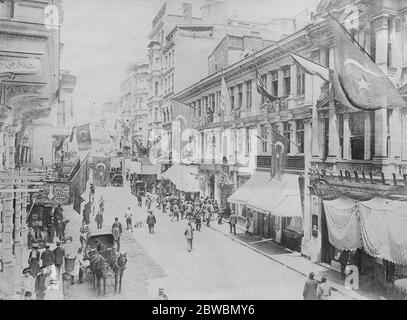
{"x": 117, "y": 180}
{"x": 107, "y": 240}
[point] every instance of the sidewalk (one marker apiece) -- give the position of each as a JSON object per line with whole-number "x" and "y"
{"x": 293, "y": 260}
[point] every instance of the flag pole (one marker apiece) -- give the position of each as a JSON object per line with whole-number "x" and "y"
{"x": 350, "y": 35}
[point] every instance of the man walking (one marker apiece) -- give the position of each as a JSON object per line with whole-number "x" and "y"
{"x": 151, "y": 221}
{"x": 148, "y": 202}
{"x": 99, "y": 220}
{"x": 40, "y": 286}
{"x": 47, "y": 257}
{"x": 117, "y": 232}
{"x": 310, "y": 289}
{"x": 198, "y": 221}
{"x": 129, "y": 216}
{"x": 59, "y": 254}
{"x": 189, "y": 235}
{"x": 233, "y": 222}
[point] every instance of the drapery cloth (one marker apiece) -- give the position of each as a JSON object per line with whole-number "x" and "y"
{"x": 377, "y": 225}
{"x": 343, "y": 224}
{"x": 185, "y": 177}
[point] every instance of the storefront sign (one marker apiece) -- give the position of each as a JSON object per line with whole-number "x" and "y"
{"x": 54, "y": 194}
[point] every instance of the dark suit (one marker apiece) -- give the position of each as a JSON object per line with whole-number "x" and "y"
{"x": 47, "y": 258}
{"x": 59, "y": 254}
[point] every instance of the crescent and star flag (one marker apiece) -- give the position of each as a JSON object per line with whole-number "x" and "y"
{"x": 83, "y": 137}
{"x": 364, "y": 84}
{"x": 261, "y": 88}
{"x": 279, "y": 154}
{"x": 224, "y": 97}
{"x": 101, "y": 171}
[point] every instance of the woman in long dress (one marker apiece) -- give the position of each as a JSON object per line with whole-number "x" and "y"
{"x": 34, "y": 260}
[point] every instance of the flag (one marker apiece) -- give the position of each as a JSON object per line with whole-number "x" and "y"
{"x": 261, "y": 88}
{"x": 83, "y": 137}
{"x": 80, "y": 178}
{"x": 141, "y": 151}
{"x": 279, "y": 154}
{"x": 364, "y": 84}
{"x": 224, "y": 97}
{"x": 75, "y": 169}
{"x": 312, "y": 68}
{"x": 77, "y": 203}
{"x": 101, "y": 171}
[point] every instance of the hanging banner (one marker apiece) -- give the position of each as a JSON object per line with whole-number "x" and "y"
{"x": 54, "y": 194}
{"x": 101, "y": 171}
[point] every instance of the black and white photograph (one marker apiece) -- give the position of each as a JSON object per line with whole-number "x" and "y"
{"x": 203, "y": 150}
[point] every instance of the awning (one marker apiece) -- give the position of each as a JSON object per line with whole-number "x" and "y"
{"x": 185, "y": 177}
{"x": 250, "y": 188}
{"x": 280, "y": 198}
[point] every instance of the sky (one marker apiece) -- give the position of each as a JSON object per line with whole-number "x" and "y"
{"x": 102, "y": 37}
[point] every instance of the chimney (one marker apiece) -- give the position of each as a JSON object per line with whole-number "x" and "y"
{"x": 187, "y": 10}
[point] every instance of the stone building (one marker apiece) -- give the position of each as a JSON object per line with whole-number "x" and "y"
{"x": 29, "y": 82}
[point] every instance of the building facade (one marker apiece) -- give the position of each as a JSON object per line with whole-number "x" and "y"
{"x": 29, "y": 79}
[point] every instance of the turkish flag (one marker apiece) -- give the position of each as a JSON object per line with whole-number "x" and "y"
{"x": 101, "y": 171}
{"x": 364, "y": 84}
{"x": 83, "y": 137}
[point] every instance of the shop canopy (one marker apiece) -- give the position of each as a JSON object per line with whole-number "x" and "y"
{"x": 250, "y": 188}
{"x": 184, "y": 177}
{"x": 279, "y": 197}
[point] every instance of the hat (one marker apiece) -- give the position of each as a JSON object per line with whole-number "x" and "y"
{"x": 58, "y": 243}
{"x": 47, "y": 246}
{"x": 26, "y": 270}
{"x": 161, "y": 290}
{"x": 35, "y": 245}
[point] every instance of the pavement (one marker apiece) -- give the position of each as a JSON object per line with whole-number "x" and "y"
{"x": 221, "y": 266}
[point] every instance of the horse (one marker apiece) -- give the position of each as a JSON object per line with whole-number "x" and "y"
{"x": 118, "y": 265}
{"x": 100, "y": 269}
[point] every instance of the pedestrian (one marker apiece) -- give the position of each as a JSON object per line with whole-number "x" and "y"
{"x": 175, "y": 212}
{"x": 92, "y": 189}
{"x": 27, "y": 285}
{"x": 116, "y": 237}
{"x": 99, "y": 220}
{"x": 66, "y": 283}
{"x": 139, "y": 199}
{"x": 83, "y": 233}
{"x": 47, "y": 258}
{"x": 220, "y": 215}
{"x": 343, "y": 260}
{"x": 59, "y": 254}
{"x": 151, "y": 221}
{"x": 51, "y": 229}
{"x": 164, "y": 204}
{"x": 182, "y": 209}
{"x": 34, "y": 260}
{"x": 161, "y": 295}
{"x": 148, "y": 202}
{"x": 198, "y": 221}
{"x": 310, "y": 288}
{"x": 129, "y": 216}
{"x": 324, "y": 290}
{"x": 118, "y": 225}
{"x": 233, "y": 222}
{"x": 248, "y": 223}
{"x": 101, "y": 203}
{"x": 189, "y": 235}
{"x": 40, "y": 284}
{"x": 62, "y": 229}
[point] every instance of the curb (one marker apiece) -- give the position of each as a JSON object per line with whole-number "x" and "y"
{"x": 281, "y": 263}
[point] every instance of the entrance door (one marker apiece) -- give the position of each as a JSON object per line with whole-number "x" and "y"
{"x": 212, "y": 187}
{"x": 266, "y": 226}
{"x": 327, "y": 249}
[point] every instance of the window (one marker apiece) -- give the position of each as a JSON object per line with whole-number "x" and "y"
{"x": 357, "y": 132}
{"x": 264, "y": 79}
{"x": 266, "y": 136}
{"x": 286, "y": 82}
{"x": 316, "y": 56}
{"x": 390, "y": 29}
{"x": 169, "y": 60}
{"x": 213, "y": 102}
{"x": 239, "y": 95}
{"x": 155, "y": 114}
{"x": 327, "y": 57}
{"x": 300, "y": 81}
{"x": 287, "y": 134}
{"x": 232, "y": 98}
{"x": 172, "y": 83}
{"x": 156, "y": 88}
{"x": 198, "y": 104}
{"x": 300, "y": 135}
{"x": 274, "y": 84}
{"x": 248, "y": 94}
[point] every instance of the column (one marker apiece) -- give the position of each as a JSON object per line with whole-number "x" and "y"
{"x": 280, "y": 82}
{"x": 334, "y": 146}
{"x": 256, "y": 99}
{"x": 368, "y": 136}
{"x": 2, "y": 150}
{"x": 381, "y": 132}
{"x": 293, "y": 138}
{"x": 293, "y": 82}
{"x": 395, "y": 134}
{"x": 269, "y": 80}
{"x": 8, "y": 229}
{"x": 382, "y": 37}
{"x": 7, "y": 151}
{"x": 306, "y": 244}
{"x": 244, "y": 87}
{"x": 316, "y": 151}
{"x": 17, "y": 228}
{"x": 346, "y": 138}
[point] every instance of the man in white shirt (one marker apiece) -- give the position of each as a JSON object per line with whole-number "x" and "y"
{"x": 129, "y": 217}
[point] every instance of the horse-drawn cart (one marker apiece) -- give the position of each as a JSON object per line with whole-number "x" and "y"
{"x": 101, "y": 242}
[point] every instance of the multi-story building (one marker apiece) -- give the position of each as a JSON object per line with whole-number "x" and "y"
{"x": 134, "y": 94}
{"x": 181, "y": 40}
{"x": 29, "y": 82}
{"x": 335, "y": 150}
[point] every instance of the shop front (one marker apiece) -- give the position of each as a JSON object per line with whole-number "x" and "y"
{"x": 364, "y": 227}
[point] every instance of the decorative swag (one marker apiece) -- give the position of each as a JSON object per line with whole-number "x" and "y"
{"x": 378, "y": 225}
